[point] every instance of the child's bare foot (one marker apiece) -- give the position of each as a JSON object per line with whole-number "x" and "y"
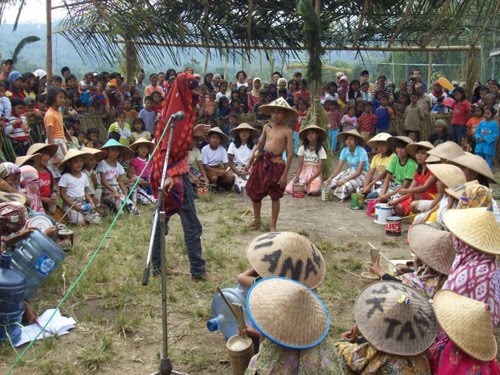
{"x": 274, "y": 230}
{"x": 254, "y": 224}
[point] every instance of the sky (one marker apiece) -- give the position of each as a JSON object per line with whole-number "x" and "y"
{"x": 33, "y": 12}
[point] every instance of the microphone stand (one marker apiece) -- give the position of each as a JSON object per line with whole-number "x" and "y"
{"x": 165, "y": 367}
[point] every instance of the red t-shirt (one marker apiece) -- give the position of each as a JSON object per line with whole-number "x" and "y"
{"x": 460, "y": 112}
{"x": 46, "y": 183}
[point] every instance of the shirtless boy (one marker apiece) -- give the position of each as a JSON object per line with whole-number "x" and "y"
{"x": 269, "y": 172}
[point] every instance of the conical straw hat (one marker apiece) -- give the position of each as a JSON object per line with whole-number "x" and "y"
{"x": 476, "y": 227}
{"x": 412, "y": 148}
{"x": 476, "y": 164}
{"x": 343, "y": 135}
{"x": 36, "y": 148}
{"x": 393, "y": 140}
{"x": 458, "y": 191}
{"x": 218, "y": 131}
{"x": 21, "y": 160}
{"x": 125, "y": 152}
{"x": 322, "y": 132}
{"x": 98, "y": 154}
{"x": 380, "y": 137}
{"x": 279, "y": 103}
{"x": 142, "y": 141}
{"x": 432, "y": 159}
{"x": 244, "y": 126}
{"x": 288, "y": 313}
{"x": 468, "y": 323}
{"x": 450, "y": 175}
{"x": 287, "y": 254}
{"x": 433, "y": 246}
{"x": 395, "y": 318}
{"x": 447, "y": 151}
{"x": 72, "y": 153}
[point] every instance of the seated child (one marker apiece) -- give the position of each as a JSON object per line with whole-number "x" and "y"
{"x": 92, "y": 136}
{"x": 31, "y": 188}
{"x": 17, "y": 128}
{"x": 139, "y": 130}
{"x": 75, "y": 144}
{"x": 121, "y": 127}
{"x": 130, "y": 113}
{"x": 486, "y": 137}
{"x": 111, "y": 173}
{"x": 74, "y": 190}
{"x": 389, "y": 335}
{"x": 240, "y": 153}
{"x": 439, "y": 107}
{"x": 215, "y": 161}
{"x": 378, "y": 164}
{"x": 311, "y": 155}
{"x": 138, "y": 170}
{"x": 197, "y": 173}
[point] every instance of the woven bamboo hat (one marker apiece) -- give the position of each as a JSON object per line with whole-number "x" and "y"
{"x": 322, "y": 132}
{"x": 12, "y": 197}
{"x": 244, "y": 126}
{"x": 288, "y": 313}
{"x": 433, "y": 246}
{"x": 450, "y": 175}
{"x": 393, "y": 140}
{"x": 72, "y": 153}
{"x": 476, "y": 164}
{"x": 37, "y": 148}
{"x": 468, "y": 323}
{"x": 287, "y": 254}
{"x": 142, "y": 141}
{"x": 412, "y": 148}
{"x": 476, "y": 227}
{"x": 21, "y": 160}
{"x": 458, "y": 191}
{"x": 125, "y": 152}
{"x": 279, "y": 103}
{"x": 395, "y": 318}
{"x": 224, "y": 138}
{"x": 380, "y": 137}
{"x": 354, "y": 133}
{"x": 447, "y": 151}
{"x": 99, "y": 155}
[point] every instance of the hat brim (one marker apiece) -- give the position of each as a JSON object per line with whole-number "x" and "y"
{"x": 134, "y": 146}
{"x": 380, "y": 137}
{"x": 21, "y": 160}
{"x": 86, "y": 157}
{"x": 224, "y": 137}
{"x": 465, "y": 162}
{"x": 342, "y": 137}
{"x": 126, "y": 153}
{"x": 51, "y": 149}
{"x": 12, "y": 197}
{"x": 239, "y": 128}
{"x": 323, "y": 135}
{"x": 290, "y": 112}
{"x": 412, "y": 149}
{"x": 400, "y": 138}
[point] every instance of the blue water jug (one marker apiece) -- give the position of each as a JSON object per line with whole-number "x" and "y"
{"x": 12, "y": 286}
{"x": 36, "y": 256}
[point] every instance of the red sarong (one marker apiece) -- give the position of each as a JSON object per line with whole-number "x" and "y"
{"x": 265, "y": 177}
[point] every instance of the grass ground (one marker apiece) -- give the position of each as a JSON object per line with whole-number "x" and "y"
{"x": 119, "y": 321}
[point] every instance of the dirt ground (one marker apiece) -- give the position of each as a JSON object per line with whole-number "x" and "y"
{"x": 119, "y": 321}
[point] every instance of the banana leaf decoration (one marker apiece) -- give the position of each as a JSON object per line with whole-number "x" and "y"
{"x": 316, "y": 115}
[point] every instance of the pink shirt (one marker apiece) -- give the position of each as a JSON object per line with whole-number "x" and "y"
{"x": 138, "y": 165}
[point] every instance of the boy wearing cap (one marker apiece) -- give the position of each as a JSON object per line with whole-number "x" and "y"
{"x": 269, "y": 171}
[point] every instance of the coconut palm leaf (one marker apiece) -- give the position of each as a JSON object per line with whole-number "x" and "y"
{"x": 23, "y": 43}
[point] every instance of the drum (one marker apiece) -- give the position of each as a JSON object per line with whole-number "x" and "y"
{"x": 299, "y": 190}
{"x": 382, "y": 212}
{"x": 40, "y": 221}
{"x": 58, "y": 214}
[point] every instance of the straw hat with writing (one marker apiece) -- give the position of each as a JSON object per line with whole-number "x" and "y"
{"x": 393, "y": 140}
{"x": 99, "y": 155}
{"x": 73, "y": 153}
{"x": 447, "y": 151}
{"x": 353, "y": 133}
{"x": 224, "y": 138}
{"x": 279, "y": 103}
{"x": 287, "y": 254}
{"x": 37, "y": 148}
{"x": 244, "y": 126}
{"x": 476, "y": 227}
{"x": 288, "y": 313}
{"x": 125, "y": 152}
{"x": 395, "y": 318}
{"x": 450, "y": 175}
{"x": 322, "y": 132}
{"x": 474, "y": 163}
{"x": 468, "y": 323}
{"x": 380, "y": 137}
{"x": 12, "y": 197}
{"x": 142, "y": 141}
{"x": 412, "y": 148}
{"x": 433, "y": 246}
{"x": 21, "y": 160}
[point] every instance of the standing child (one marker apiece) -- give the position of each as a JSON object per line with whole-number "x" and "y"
{"x": 92, "y": 137}
{"x": 111, "y": 173}
{"x": 130, "y": 113}
{"x": 147, "y": 115}
{"x": 139, "y": 130}
{"x": 473, "y": 123}
{"x": 461, "y": 109}
{"x": 17, "y": 128}
{"x": 269, "y": 173}
{"x": 54, "y": 125}
{"x": 332, "y": 110}
{"x": 139, "y": 170}
{"x": 240, "y": 153}
{"x": 486, "y": 137}
{"x": 215, "y": 161}
{"x": 311, "y": 155}
{"x": 302, "y": 110}
{"x": 349, "y": 120}
{"x": 121, "y": 127}
{"x": 74, "y": 189}
{"x": 367, "y": 121}
{"x": 5, "y": 106}
{"x": 414, "y": 114}
{"x": 385, "y": 115}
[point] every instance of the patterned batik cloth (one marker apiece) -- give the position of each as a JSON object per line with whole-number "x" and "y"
{"x": 424, "y": 279}
{"x": 13, "y": 216}
{"x": 308, "y": 170}
{"x": 351, "y": 186}
{"x": 275, "y": 359}
{"x": 363, "y": 358}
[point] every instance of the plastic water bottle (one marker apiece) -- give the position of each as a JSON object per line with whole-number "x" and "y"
{"x": 86, "y": 207}
{"x": 12, "y": 287}
{"x": 52, "y": 207}
{"x": 36, "y": 256}
{"x": 98, "y": 195}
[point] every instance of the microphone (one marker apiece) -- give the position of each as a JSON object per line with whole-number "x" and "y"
{"x": 178, "y": 115}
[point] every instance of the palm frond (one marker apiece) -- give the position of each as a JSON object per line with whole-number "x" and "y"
{"x": 23, "y": 43}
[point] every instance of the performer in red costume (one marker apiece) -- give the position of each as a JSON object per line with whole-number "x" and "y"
{"x": 179, "y": 193}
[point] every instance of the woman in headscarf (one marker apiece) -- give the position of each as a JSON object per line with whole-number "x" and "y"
{"x": 254, "y": 97}
{"x": 207, "y": 81}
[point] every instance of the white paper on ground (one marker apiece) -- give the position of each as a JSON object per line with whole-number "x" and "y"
{"x": 59, "y": 325}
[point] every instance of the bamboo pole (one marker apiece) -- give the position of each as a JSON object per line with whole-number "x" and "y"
{"x": 402, "y": 22}
{"x": 48, "y": 7}
{"x": 429, "y": 73}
